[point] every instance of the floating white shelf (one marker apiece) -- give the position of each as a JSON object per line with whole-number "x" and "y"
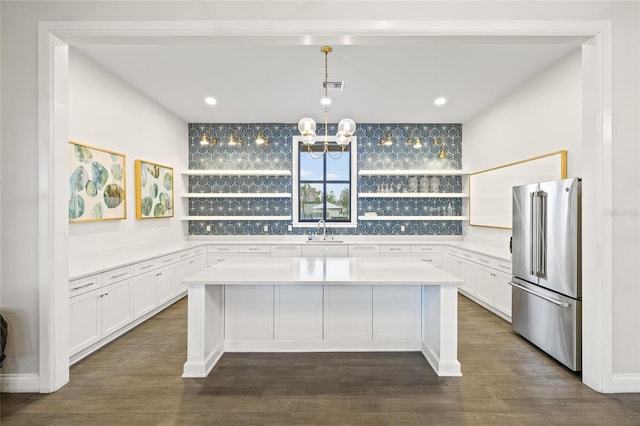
{"x": 236, "y": 218}
{"x": 401, "y": 218}
{"x": 415, "y": 172}
{"x": 237, "y": 195}
{"x": 282, "y": 172}
{"x": 412, "y": 195}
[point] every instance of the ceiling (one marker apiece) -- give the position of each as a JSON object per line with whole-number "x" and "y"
{"x": 392, "y": 81}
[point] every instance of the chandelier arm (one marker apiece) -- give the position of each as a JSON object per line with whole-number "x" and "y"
{"x": 312, "y": 155}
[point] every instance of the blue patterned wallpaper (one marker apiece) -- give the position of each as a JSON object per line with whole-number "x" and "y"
{"x": 278, "y": 155}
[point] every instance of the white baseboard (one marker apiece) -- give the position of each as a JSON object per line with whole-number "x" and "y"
{"x": 19, "y": 383}
{"x": 625, "y": 383}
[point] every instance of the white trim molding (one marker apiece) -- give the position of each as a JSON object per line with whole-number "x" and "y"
{"x": 19, "y": 383}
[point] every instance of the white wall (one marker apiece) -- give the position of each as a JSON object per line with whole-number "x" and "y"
{"x": 106, "y": 112}
{"x": 21, "y": 104}
{"x": 543, "y": 115}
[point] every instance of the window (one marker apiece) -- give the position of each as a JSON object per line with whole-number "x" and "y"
{"x": 324, "y": 188}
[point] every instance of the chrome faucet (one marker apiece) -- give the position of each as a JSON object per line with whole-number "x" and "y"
{"x": 322, "y": 223}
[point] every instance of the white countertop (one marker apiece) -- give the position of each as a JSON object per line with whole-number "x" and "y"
{"x": 329, "y": 270}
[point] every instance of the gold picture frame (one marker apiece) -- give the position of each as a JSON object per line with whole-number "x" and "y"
{"x": 154, "y": 190}
{"x": 97, "y": 184}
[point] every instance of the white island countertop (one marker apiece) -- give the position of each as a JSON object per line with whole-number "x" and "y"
{"x": 325, "y": 270}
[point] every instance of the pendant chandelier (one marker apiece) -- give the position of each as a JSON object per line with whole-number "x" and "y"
{"x": 307, "y": 126}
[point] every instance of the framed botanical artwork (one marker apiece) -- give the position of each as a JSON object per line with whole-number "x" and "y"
{"x": 97, "y": 184}
{"x": 154, "y": 190}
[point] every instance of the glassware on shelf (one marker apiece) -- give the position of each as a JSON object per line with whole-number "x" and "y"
{"x": 435, "y": 184}
{"x": 423, "y": 184}
{"x": 413, "y": 184}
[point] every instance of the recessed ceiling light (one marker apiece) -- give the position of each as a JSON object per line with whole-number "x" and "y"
{"x": 440, "y": 101}
{"x": 210, "y": 101}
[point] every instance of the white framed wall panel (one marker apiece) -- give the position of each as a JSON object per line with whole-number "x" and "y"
{"x": 298, "y": 312}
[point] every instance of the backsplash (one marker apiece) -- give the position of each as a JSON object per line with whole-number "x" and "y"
{"x": 278, "y": 155}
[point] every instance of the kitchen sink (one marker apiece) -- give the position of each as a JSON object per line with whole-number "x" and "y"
{"x": 325, "y": 241}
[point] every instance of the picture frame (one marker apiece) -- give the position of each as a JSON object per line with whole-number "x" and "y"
{"x": 154, "y": 190}
{"x": 97, "y": 184}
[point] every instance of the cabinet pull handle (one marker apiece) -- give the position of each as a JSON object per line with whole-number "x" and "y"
{"x": 119, "y": 275}
{"x": 146, "y": 267}
{"x": 104, "y": 294}
{"x": 83, "y": 286}
{"x": 483, "y": 260}
{"x": 193, "y": 261}
{"x": 158, "y": 274}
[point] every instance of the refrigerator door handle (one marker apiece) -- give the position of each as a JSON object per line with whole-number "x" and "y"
{"x": 542, "y": 236}
{"x": 533, "y": 264}
{"x": 548, "y": 299}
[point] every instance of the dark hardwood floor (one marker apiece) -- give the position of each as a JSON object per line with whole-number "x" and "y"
{"x": 136, "y": 381}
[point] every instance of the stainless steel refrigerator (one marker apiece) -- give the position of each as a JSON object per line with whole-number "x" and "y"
{"x": 546, "y": 268}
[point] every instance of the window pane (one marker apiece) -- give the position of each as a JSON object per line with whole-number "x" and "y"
{"x": 310, "y": 168}
{"x": 311, "y": 201}
{"x": 338, "y": 201}
{"x": 338, "y": 169}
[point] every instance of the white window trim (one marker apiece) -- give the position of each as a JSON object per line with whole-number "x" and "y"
{"x": 354, "y": 186}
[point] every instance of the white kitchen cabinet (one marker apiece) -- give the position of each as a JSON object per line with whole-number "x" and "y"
{"x": 486, "y": 279}
{"x": 396, "y": 312}
{"x": 97, "y": 314}
{"x": 325, "y": 250}
{"x": 217, "y": 253}
{"x": 248, "y": 312}
{"x": 188, "y": 267}
{"x": 348, "y": 312}
{"x": 144, "y": 294}
{"x": 367, "y": 250}
{"x": 166, "y": 278}
{"x": 298, "y": 312}
{"x": 431, "y": 254}
{"x": 85, "y": 319}
{"x": 116, "y": 306}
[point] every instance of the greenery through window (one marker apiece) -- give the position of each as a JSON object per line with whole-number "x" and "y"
{"x": 324, "y": 184}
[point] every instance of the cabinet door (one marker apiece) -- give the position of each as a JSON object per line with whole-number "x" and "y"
{"x": 347, "y": 312}
{"x": 465, "y": 270}
{"x": 248, "y": 312}
{"x": 298, "y": 312}
{"x": 116, "y": 306}
{"x": 485, "y": 284}
{"x": 396, "y": 312}
{"x": 187, "y": 268}
{"x": 144, "y": 294}
{"x": 502, "y": 292}
{"x": 84, "y": 321}
{"x": 165, "y": 284}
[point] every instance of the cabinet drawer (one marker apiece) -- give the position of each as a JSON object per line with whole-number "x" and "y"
{"x": 257, "y": 250}
{"x": 392, "y": 250}
{"x": 434, "y": 259}
{"x": 222, "y": 249}
{"x": 142, "y": 267}
{"x": 426, "y": 249}
{"x": 83, "y": 285}
{"x": 364, "y": 251}
{"x": 197, "y": 251}
{"x": 184, "y": 254}
{"x": 116, "y": 275}
{"x": 286, "y": 251}
{"x": 485, "y": 261}
{"x": 503, "y": 267}
{"x": 167, "y": 260}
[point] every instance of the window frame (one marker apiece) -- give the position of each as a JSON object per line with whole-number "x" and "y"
{"x": 295, "y": 190}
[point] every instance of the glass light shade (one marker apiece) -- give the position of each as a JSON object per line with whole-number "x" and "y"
{"x": 307, "y": 126}
{"x": 347, "y": 127}
{"x": 204, "y": 141}
{"x": 309, "y": 138}
{"x": 342, "y": 139}
{"x": 417, "y": 144}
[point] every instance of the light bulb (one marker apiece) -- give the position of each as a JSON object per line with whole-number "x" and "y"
{"x": 347, "y": 127}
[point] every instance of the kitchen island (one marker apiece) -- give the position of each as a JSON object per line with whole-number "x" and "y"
{"x": 304, "y": 304}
